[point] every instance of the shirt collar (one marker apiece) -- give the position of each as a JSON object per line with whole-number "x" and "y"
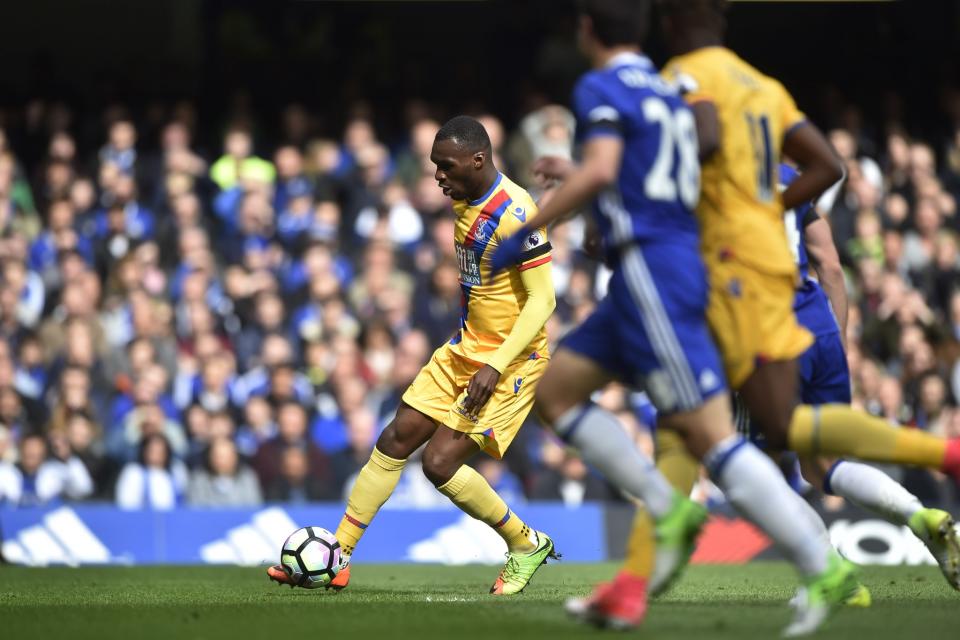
{"x": 496, "y": 183}
{"x": 628, "y": 58}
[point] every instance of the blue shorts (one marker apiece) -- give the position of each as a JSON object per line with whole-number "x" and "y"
{"x": 824, "y": 379}
{"x": 651, "y": 329}
{"x": 824, "y": 376}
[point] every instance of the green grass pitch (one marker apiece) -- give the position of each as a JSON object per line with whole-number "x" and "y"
{"x": 415, "y": 601}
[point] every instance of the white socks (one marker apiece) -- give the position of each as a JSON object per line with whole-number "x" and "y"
{"x": 755, "y": 486}
{"x": 871, "y": 489}
{"x": 604, "y": 445}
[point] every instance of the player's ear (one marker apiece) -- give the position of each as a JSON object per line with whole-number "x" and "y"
{"x": 479, "y": 158}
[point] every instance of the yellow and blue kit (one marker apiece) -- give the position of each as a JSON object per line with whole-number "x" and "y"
{"x": 753, "y": 276}
{"x": 493, "y": 330}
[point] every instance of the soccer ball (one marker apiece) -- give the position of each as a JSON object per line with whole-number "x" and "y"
{"x": 311, "y": 556}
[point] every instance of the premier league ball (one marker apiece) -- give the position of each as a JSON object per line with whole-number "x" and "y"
{"x": 311, "y": 556}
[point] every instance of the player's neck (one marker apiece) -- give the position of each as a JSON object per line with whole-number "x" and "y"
{"x": 697, "y": 39}
{"x": 603, "y": 55}
{"x": 489, "y": 178}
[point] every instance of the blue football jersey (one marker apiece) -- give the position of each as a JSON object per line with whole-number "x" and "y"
{"x": 658, "y": 186}
{"x": 811, "y": 304}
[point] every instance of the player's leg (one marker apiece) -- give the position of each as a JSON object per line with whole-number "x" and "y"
{"x": 588, "y": 358}
{"x": 379, "y": 477}
{"x": 825, "y": 378}
{"x": 749, "y": 323}
{"x": 563, "y": 402}
{"x": 860, "y": 483}
{"x": 830, "y": 429}
{"x": 443, "y": 464}
{"x": 374, "y": 485}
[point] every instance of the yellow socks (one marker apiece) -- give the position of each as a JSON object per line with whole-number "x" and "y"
{"x": 681, "y": 470}
{"x": 375, "y": 483}
{"x": 840, "y": 430}
{"x": 673, "y": 461}
{"x": 640, "y": 546}
{"x": 468, "y": 490}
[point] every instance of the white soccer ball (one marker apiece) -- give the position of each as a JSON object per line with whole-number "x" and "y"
{"x": 311, "y": 556}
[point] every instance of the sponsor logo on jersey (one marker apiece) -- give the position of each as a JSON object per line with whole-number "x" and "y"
{"x": 520, "y": 213}
{"x": 480, "y": 230}
{"x": 469, "y": 263}
{"x": 516, "y": 385}
{"x": 533, "y": 240}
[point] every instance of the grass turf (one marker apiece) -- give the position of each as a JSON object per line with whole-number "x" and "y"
{"x": 399, "y": 601}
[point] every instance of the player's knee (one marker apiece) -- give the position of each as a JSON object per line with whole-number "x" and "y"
{"x": 775, "y": 432}
{"x": 548, "y": 404}
{"x": 392, "y": 443}
{"x": 438, "y": 467}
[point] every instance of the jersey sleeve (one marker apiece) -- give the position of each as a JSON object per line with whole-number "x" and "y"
{"x": 595, "y": 110}
{"x": 691, "y": 83}
{"x": 536, "y": 250}
{"x": 536, "y": 246}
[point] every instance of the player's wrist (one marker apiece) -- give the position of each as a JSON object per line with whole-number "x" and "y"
{"x": 496, "y": 365}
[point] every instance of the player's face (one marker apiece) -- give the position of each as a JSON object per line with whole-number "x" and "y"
{"x": 457, "y": 170}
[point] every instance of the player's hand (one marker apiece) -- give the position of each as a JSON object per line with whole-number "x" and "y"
{"x": 480, "y": 389}
{"x": 593, "y": 243}
{"x": 507, "y": 253}
{"x": 549, "y": 169}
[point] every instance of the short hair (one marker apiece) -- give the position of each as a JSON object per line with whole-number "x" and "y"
{"x": 466, "y": 132}
{"x": 618, "y": 22}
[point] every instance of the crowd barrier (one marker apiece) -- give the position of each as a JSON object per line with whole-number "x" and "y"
{"x": 103, "y": 534}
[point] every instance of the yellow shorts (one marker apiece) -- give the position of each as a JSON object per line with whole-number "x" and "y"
{"x": 441, "y": 386}
{"x": 751, "y": 316}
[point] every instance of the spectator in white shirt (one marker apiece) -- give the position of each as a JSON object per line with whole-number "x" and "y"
{"x": 37, "y": 480}
{"x": 156, "y": 481}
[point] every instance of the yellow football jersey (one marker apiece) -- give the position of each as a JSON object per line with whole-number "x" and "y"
{"x": 490, "y": 305}
{"x": 740, "y": 210}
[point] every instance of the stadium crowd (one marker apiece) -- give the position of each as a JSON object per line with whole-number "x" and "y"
{"x": 230, "y": 328}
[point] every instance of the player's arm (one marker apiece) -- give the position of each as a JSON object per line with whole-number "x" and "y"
{"x": 825, "y": 260}
{"x": 704, "y": 109}
{"x": 819, "y": 166}
{"x": 534, "y": 268}
{"x": 597, "y": 171}
{"x": 708, "y": 127}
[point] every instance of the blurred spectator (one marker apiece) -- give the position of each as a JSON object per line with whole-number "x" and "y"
{"x": 291, "y": 432}
{"x": 295, "y": 484}
{"x": 224, "y": 481}
{"x": 238, "y": 161}
{"x": 155, "y": 297}
{"x": 40, "y": 479}
{"x": 567, "y": 479}
{"x": 125, "y": 442}
{"x": 155, "y": 481}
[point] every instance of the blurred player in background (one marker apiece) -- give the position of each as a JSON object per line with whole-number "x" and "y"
{"x": 639, "y": 165}
{"x": 477, "y": 389}
{"x": 745, "y": 120}
{"x": 821, "y": 307}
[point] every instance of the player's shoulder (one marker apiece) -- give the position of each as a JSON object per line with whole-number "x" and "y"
{"x": 516, "y": 193}
{"x": 710, "y": 68}
{"x": 623, "y": 76}
{"x": 520, "y": 205}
